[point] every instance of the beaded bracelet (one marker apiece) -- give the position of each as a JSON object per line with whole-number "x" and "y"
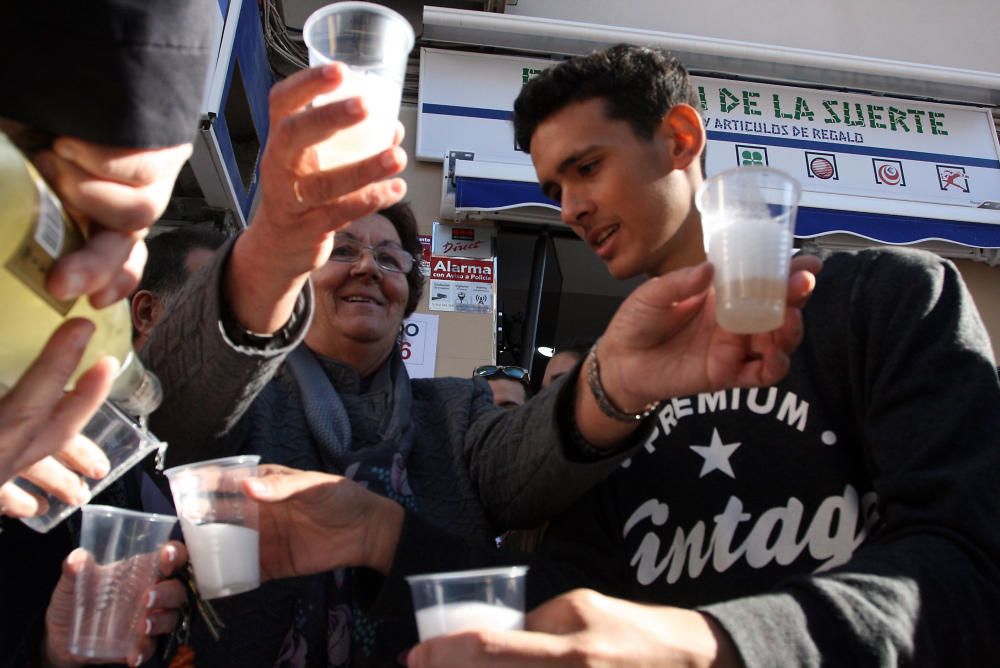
{"x": 603, "y": 402}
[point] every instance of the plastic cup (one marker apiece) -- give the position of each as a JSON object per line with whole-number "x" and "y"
{"x": 219, "y": 523}
{"x": 375, "y": 43}
{"x": 485, "y": 599}
{"x": 123, "y": 549}
{"x": 124, "y": 442}
{"x": 748, "y": 217}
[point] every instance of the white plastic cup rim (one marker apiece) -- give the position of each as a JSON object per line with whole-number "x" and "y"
{"x": 222, "y": 462}
{"x": 341, "y": 7}
{"x": 114, "y": 511}
{"x": 505, "y": 572}
{"x": 750, "y": 170}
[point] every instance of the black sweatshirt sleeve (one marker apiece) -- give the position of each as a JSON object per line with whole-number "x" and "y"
{"x": 924, "y": 588}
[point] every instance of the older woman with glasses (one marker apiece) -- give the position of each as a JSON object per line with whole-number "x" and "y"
{"x": 286, "y": 346}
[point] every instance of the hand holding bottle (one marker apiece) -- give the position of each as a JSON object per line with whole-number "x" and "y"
{"x": 39, "y": 424}
{"x": 115, "y": 194}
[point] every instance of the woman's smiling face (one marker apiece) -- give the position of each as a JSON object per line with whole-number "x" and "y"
{"x": 359, "y": 301}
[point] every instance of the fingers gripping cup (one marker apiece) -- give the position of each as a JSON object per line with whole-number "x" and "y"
{"x": 375, "y": 43}
{"x": 748, "y": 217}
{"x": 490, "y": 598}
{"x": 123, "y": 549}
{"x": 219, "y": 523}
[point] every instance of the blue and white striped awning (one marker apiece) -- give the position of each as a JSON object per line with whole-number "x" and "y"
{"x": 504, "y": 197}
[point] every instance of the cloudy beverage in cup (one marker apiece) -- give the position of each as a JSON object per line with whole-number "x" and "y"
{"x": 227, "y": 557}
{"x": 749, "y": 297}
{"x": 488, "y": 598}
{"x": 747, "y": 216}
{"x": 370, "y": 136}
{"x": 375, "y": 43}
{"x": 219, "y": 523}
{"x": 439, "y": 620}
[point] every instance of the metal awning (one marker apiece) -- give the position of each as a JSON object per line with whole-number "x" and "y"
{"x": 483, "y": 190}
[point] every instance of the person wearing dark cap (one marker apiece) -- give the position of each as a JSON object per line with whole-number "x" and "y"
{"x": 104, "y": 98}
{"x": 105, "y": 103}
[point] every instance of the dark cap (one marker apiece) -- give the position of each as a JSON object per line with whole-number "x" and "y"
{"x": 118, "y": 72}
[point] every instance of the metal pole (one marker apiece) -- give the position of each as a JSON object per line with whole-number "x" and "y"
{"x": 529, "y": 330}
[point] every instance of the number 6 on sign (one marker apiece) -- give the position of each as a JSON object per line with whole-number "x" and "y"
{"x": 418, "y": 345}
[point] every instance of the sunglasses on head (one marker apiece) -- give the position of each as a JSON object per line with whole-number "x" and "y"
{"x": 488, "y": 371}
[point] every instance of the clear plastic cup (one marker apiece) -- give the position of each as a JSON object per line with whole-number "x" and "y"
{"x": 123, "y": 549}
{"x": 748, "y": 218}
{"x": 375, "y": 43}
{"x": 485, "y": 599}
{"x": 219, "y": 523}
{"x": 124, "y": 442}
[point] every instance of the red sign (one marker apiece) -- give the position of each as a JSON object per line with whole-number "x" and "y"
{"x": 460, "y": 269}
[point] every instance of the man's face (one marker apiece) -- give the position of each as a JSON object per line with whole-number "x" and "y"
{"x": 619, "y": 193}
{"x": 507, "y": 393}
{"x": 558, "y": 366}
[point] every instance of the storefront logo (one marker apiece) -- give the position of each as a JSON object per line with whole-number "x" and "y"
{"x": 529, "y": 73}
{"x": 888, "y": 172}
{"x": 953, "y": 178}
{"x": 751, "y": 156}
{"x": 822, "y": 166}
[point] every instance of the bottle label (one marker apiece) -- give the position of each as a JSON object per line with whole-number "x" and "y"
{"x": 52, "y": 236}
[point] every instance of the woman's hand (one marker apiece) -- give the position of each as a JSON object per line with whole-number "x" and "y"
{"x": 302, "y": 206}
{"x": 162, "y": 604}
{"x": 313, "y": 522}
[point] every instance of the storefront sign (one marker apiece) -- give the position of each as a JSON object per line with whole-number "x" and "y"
{"x": 461, "y": 284}
{"x": 462, "y": 241}
{"x": 419, "y": 345}
{"x": 862, "y": 146}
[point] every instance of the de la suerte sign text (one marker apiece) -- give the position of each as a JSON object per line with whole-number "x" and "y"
{"x": 833, "y": 142}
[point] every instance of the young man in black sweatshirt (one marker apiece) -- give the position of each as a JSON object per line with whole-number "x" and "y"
{"x": 845, "y": 516}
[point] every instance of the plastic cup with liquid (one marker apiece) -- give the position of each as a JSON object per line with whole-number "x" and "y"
{"x": 375, "y": 43}
{"x": 123, "y": 557}
{"x": 484, "y": 599}
{"x": 125, "y": 443}
{"x": 219, "y": 523}
{"x": 748, "y": 219}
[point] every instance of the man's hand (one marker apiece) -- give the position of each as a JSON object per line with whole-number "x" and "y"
{"x": 664, "y": 342}
{"x": 313, "y": 522}
{"x": 115, "y": 194}
{"x": 40, "y": 424}
{"x": 162, "y": 604}
{"x": 584, "y": 628}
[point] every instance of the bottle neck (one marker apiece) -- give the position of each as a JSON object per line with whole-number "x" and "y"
{"x": 136, "y": 390}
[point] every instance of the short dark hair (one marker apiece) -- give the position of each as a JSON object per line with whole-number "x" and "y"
{"x": 165, "y": 271}
{"x": 405, "y": 223}
{"x": 638, "y": 85}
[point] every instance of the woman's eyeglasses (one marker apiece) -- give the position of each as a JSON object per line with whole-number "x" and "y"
{"x": 387, "y": 256}
{"x": 489, "y": 371}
